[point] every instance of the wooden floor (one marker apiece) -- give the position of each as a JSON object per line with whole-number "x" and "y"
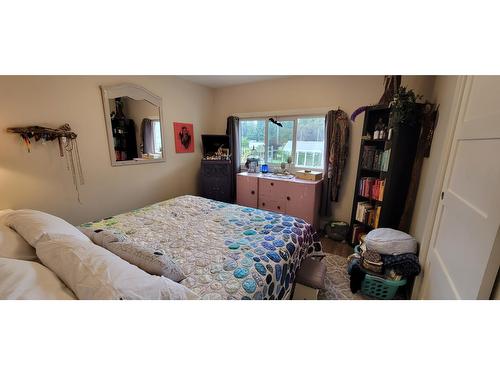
{"x": 334, "y": 247}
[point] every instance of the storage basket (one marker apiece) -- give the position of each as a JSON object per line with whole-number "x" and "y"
{"x": 379, "y": 287}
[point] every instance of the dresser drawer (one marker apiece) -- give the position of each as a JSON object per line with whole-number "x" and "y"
{"x": 247, "y": 191}
{"x": 275, "y": 205}
{"x": 272, "y": 188}
{"x": 302, "y": 201}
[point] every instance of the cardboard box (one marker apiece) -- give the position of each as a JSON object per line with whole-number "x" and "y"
{"x": 309, "y": 175}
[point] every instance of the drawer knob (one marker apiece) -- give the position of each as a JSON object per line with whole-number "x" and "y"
{"x": 287, "y": 198}
{"x": 279, "y": 208}
{"x": 272, "y": 183}
{"x": 253, "y": 192}
{"x": 263, "y": 204}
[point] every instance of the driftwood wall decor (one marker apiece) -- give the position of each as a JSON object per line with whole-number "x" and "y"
{"x": 67, "y": 143}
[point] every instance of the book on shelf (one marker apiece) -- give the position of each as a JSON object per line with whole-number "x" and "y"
{"x": 384, "y": 165}
{"x": 368, "y": 214}
{"x": 377, "y": 216}
{"x": 370, "y": 187}
{"x": 374, "y": 159}
{"x": 363, "y": 211}
{"x": 357, "y": 231}
{"x": 367, "y": 156}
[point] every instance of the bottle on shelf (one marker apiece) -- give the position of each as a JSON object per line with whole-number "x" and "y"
{"x": 379, "y": 132}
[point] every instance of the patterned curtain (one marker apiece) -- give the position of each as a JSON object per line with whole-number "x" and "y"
{"x": 232, "y": 130}
{"x": 337, "y": 150}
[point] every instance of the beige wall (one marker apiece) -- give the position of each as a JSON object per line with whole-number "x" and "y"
{"x": 312, "y": 92}
{"x": 433, "y": 168}
{"x": 39, "y": 180}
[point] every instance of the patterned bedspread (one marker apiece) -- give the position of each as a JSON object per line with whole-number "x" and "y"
{"x": 227, "y": 251}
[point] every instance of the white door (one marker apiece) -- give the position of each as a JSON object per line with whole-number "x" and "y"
{"x": 464, "y": 254}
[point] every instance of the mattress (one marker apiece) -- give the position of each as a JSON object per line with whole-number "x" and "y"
{"x": 227, "y": 251}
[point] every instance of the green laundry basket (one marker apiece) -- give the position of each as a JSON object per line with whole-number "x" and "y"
{"x": 378, "y": 287}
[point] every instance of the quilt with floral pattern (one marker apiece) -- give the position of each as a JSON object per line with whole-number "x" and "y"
{"x": 226, "y": 251}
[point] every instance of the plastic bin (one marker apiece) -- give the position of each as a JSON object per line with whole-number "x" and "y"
{"x": 379, "y": 287}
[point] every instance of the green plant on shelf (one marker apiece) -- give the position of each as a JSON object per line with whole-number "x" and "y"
{"x": 404, "y": 107}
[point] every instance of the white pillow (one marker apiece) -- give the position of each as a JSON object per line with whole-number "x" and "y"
{"x": 390, "y": 241}
{"x": 93, "y": 272}
{"x": 12, "y": 245}
{"x": 155, "y": 262}
{"x": 33, "y": 225}
{"x": 20, "y": 279}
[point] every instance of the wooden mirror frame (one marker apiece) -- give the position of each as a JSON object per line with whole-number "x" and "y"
{"x": 135, "y": 92}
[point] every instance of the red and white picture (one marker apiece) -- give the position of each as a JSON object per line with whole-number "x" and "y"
{"x": 184, "y": 137}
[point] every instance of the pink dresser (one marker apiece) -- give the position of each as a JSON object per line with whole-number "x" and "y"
{"x": 294, "y": 197}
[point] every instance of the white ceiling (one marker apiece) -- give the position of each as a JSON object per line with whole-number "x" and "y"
{"x": 223, "y": 81}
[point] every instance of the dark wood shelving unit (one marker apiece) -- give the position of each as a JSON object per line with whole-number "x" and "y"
{"x": 403, "y": 146}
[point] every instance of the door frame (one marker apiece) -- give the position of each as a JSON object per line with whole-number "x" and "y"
{"x": 460, "y": 96}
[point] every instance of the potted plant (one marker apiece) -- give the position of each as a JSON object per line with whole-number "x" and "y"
{"x": 404, "y": 111}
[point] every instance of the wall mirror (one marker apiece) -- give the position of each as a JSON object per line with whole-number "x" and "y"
{"x": 133, "y": 124}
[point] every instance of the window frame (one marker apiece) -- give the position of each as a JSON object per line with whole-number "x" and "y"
{"x": 293, "y": 118}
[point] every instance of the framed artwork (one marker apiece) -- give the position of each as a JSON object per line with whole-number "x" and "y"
{"x": 184, "y": 137}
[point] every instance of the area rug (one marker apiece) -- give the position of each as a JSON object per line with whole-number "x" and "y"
{"x": 337, "y": 280}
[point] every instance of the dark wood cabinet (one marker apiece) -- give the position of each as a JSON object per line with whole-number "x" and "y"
{"x": 216, "y": 180}
{"x": 124, "y": 139}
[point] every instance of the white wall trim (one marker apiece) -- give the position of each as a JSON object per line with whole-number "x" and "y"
{"x": 288, "y": 112}
{"x": 432, "y": 214}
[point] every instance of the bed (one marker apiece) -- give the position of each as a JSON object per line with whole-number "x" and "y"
{"x": 226, "y": 251}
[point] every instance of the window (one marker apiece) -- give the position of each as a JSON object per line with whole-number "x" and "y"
{"x": 252, "y": 134}
{"x": 156, "y": 136}
{"x": 301, "y": 137}
{"x": 279, "y": 142}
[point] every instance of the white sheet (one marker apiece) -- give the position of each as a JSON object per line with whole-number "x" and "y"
{"x": 20, "y": 279}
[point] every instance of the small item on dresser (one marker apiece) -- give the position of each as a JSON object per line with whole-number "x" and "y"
{"x": 309, "y": 175}
{"x": 264, "y": 168}
{"x": 372, "y": 261}
{"x": 252, "y": 163}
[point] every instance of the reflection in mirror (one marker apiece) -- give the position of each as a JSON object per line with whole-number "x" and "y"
{"x": 133, "y": 119}
{"x": 136, "y": 129}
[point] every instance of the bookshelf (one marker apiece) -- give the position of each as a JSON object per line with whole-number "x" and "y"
{"x": 383, "y": 174}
